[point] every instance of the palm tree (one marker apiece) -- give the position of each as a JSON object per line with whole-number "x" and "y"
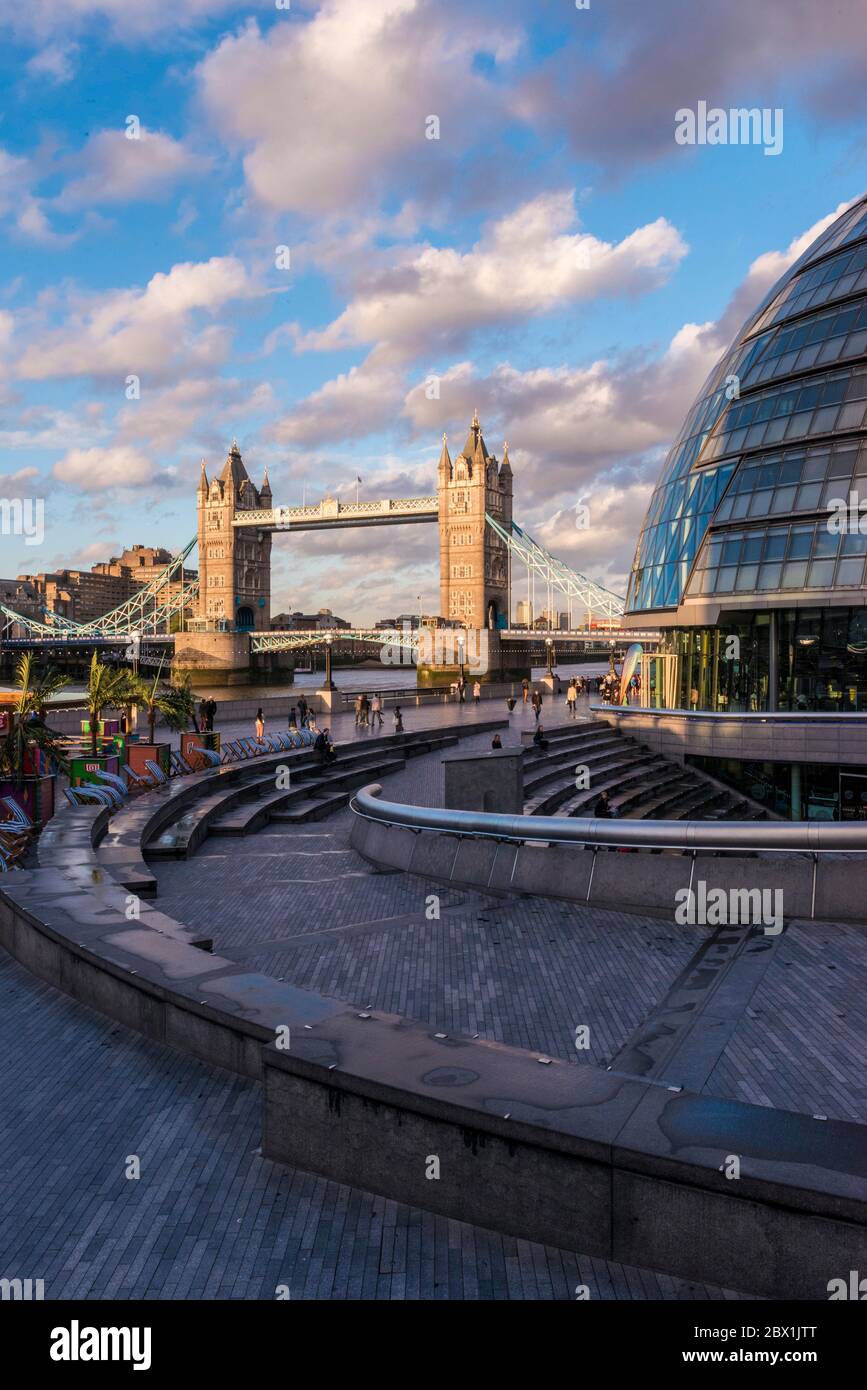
{"x": 28, "y": 725}
{"x": 106, "y": 688}
{"x": 174, "y": 699}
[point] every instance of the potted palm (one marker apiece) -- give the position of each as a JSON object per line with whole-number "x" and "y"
{"x": 30, "y": 752}
{"x": 174, "y": 702}
{"x": 107, "y": 688}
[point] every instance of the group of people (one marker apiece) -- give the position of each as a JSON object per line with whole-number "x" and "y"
{"x": 369, "y": 713}
{"x": 459, "y": 689}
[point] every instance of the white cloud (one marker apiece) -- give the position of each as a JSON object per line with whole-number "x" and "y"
{"x": 151, "y": 331}
{"x": 115, "y": 169}
{"x": 327, "y": 109}
{"x": 56, "y": 61}
{"x": 525, "y": 264}
{"x": 356, "y": 403}
{"x": 94, "y": 470}
{"x": 126, "y": 19}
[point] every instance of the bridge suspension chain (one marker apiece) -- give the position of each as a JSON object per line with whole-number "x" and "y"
{"x": 593, "y": 597}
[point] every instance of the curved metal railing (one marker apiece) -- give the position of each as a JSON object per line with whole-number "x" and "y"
{"x": 745, "y": 837}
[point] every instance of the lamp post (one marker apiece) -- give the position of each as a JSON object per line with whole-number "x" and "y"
{"x": 549, "y": 651}
{"x": 461, "y": 657}
{"x": 418, "y": 601}
{"x": 328, "y": 683}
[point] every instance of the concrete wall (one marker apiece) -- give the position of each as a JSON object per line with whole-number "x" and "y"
{"x": 838, "y": 739}
{"x": 643, "y": 882}
{"x": 490, "y": 781}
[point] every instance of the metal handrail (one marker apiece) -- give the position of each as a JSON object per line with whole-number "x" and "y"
{"x": 747, "y": 837}
{"x": 761, "y": 716}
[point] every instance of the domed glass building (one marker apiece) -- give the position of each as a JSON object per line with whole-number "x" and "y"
{"x": 752, "y": 555}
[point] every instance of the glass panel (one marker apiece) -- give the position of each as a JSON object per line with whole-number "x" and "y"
{"x": 794, "y": 575}
{"x": 850, "y": 571}
{"x": 821, "y": 574}
{"x": 800, "y": 541}
{"x": 769, "y": 576}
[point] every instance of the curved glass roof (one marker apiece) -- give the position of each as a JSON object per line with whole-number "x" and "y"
{"x": 765, "y": 445}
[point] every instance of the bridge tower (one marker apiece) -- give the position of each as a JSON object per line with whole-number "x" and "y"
{"x": 234, "y": 567}
{"x": 474, "y": 562}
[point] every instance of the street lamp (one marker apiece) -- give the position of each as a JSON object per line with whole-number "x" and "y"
{"x": 328, "y": 683}
{"x": 461, "y": 657}
{"x": 549, "y": 647}
{"x": 418, "y": 601}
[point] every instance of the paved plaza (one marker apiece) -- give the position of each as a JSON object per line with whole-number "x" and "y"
{"x": 210, "y": 1218}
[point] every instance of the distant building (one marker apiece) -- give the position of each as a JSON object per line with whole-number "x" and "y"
{"x": 84, "y": 595}
{"x": 524, "y": 613}
{"x": 323, "y": 621}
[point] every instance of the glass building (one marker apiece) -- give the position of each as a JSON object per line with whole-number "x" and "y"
{"x": 752, "y": 556}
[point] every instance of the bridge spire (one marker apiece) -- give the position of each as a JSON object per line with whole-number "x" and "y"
{"x": 444, "y": 467}
{"x": 203, "y": 479}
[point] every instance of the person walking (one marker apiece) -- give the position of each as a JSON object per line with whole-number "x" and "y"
{"x": 376, "y": 710}
{"x": 398, "y": 720}
{"x": 260, "y": 726}
{"x": 477, "y": 692}
{"x": 571, "y": 698}
{"x": 359, "y": 709}
{"x": 302, "y": 711}
{"x": 537, "y": 704}
{"x": 212, "y": 714}
{"x": 462, "y": 690}
{"x": 525, "y": 686}
{"x": 203, "y": 716}
{"x": 292, "y": 717}
{"x": 365, "y": 711}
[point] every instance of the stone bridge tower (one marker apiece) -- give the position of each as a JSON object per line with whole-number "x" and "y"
{"x": 474, "y": 562}
{"x": 234, "y": 564}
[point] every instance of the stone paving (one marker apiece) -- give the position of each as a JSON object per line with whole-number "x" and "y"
{"x": 525, "y": 971}
{"x": 209, "y": 1217}
{"x": 801, "y": 1042}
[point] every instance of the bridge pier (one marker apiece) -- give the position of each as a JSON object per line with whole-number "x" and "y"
{"x": 224, "y": 658}
{"x": 479, "y": 652}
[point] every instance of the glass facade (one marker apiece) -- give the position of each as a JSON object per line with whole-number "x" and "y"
{"x": 820, "y": 663}
{"x": 779, "y": 431}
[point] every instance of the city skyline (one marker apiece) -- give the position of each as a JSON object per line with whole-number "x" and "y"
{"x": 197, "y": 250}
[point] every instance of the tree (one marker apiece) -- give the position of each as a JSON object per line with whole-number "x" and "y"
{"x": 106, "y": 688}
{"x": 28, "y": 725}
{"x": 174, "y": 699}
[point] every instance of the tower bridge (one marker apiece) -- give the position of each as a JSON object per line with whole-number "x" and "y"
{"x": 230, "y": 638}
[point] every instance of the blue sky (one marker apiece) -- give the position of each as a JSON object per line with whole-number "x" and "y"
{"x": 555, "y": 258}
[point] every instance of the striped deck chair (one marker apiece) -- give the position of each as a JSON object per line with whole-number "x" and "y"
{"x": 156, "y": 772}
{"x": 17, "y": 815}
{"x": 180, "y": 766}
{"x": 117, "y": 783}
{"x": 83, "y": 796}
{"x": 134, "y": 780}
{"x": 210, "y": 755}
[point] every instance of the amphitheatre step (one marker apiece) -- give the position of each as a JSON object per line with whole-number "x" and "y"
{"x": 618, "y": 772}
{"x": 181, "y": 838}
{"x": 246, "y": 819}
{"x": 317, "y": 808}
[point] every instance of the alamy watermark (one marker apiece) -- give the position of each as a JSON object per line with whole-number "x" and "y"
{"x": 720, "y": 907}
{"x": 23, "y": 516}
{"x": 737, "y": 126}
